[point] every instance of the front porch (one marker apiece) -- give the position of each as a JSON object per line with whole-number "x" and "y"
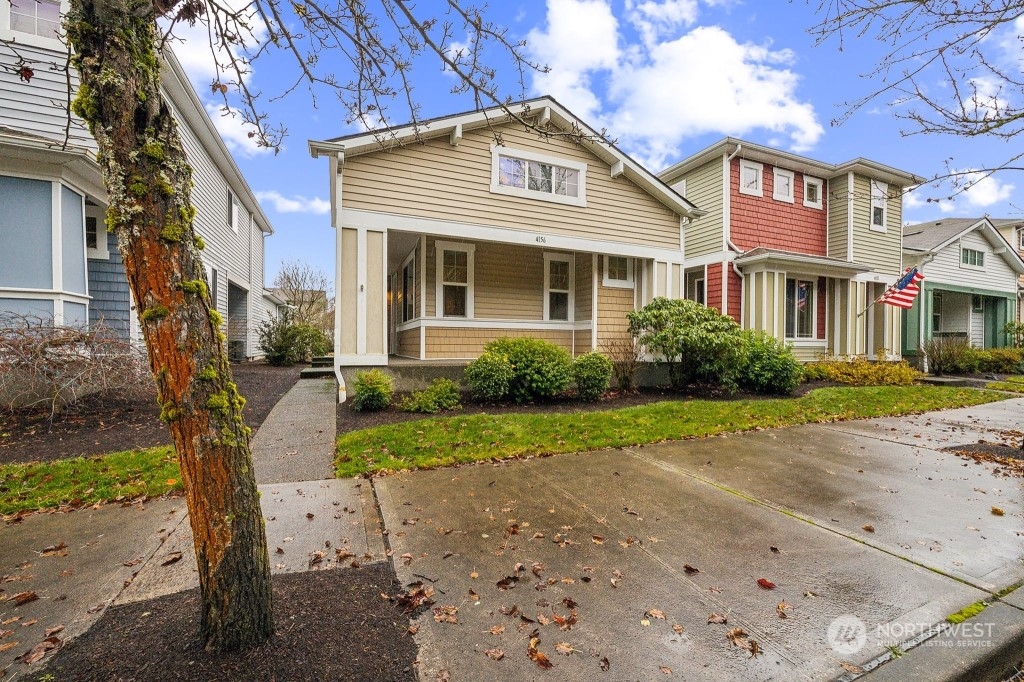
{"x": 948, "y": 311}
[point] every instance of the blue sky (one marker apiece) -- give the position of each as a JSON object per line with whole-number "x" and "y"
{"x": 665, "y": 77}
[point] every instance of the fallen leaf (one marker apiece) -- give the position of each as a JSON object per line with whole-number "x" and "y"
{"x": 474, "y": 575}
{"x": 536, "y": 656}
{"x": 495, "y": 654}
{"x": 24, "y": 598}
{"x": 38, "y": 651}
{"x": 808, "y": 594}
{"x": 29, "y": 623}
{"x": 717, "y": 619}
{"x": 8, "y": 646}
{"x": 766, "y": 584}
{"x": 665, "y": 669}
{"x": 542, "y": 619}
{"x": 134, "y": 562}
{"x": 473, "y": 595}
{"x": 448, "y": 554}
{"x": 997, "y": 511}
{"x": 655, "y": 613}
{"x": 416, "y": 597}
{"x": 55, "y": 550}
{"x": 736, "y": 635}
{"x": 172, "y": 558}
{"x": 780, "y": 608}
{"x": 497, "y": 629}
{"x": 851, "y": 668}
{"x": 569, "y": 603}
{"x": 645, "y": 622}
{"x": 597, "y": 539}
{"x": 309, "y": 515}
{"x": 690, "y": 569}
{"x": 511, "y": 611}
{"x": 413, "y": 629}
{"x": 677, "y": 628}
{"x": 775, "y": 550}
{"x": 446, "y": 614}
{"x": 566, "y": 622}
{"x": 869, "y": 528}
{"x": 605, "y": 665}
{"x": 564, "y": 648}
{"x": 508, "y": 582}
{"x": 279, "y": 551}
{"x": 406, "y": 559}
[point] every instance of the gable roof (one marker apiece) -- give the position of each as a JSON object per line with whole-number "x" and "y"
{"x": 932, "y": 237}
{"x": 546, "y": 108}
{"x": 758, "y": 152}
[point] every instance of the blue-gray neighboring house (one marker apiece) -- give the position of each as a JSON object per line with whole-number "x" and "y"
{"x": 56, "y": 258}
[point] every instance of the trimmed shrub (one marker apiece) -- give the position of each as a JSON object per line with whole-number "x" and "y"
{"x": 950, "y": 355}
{"x": 540, "y": 369}
{"x": 859, "y": 371}
{"x": 284, "y": 343}
{"x": 372, "y": 390}
{"x": 490, "y": 376}
{"x": 699, "y": 344}
{"x": 309, "y": 341}
{"x": 769, "y": 365}
{"x": 593, "y": 373}
{"x": 441, "y": 396}
{"x": 999, "y": 360}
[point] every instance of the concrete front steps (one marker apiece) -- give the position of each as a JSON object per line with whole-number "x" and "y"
{"x": 322, "y": 366}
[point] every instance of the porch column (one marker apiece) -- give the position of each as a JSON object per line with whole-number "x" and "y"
{"x": 361, "y": 306}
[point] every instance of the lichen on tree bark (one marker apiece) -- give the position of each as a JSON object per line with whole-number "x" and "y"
{"x": 148, "y": 182}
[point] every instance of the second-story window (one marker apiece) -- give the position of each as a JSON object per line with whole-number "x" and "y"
{"x": 812, "y": 192}
{"x": 783, "y": 185}
{"x": 972, "y": 258}
{"x": 750, "y": 178}
{"x": 537, "y": 176}
{"x": 879, "y": 198}
{"x": 37, "y": 17}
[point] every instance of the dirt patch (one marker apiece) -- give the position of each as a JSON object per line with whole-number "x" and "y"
{"x": 99, "y": 424}
{"x": 350, "y": 419}
{"x": 1006, "y": 456}
{"x": 329, "y": 625}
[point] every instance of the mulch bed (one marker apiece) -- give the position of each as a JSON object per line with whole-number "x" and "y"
{"x": 1006, "y": 457}
{"x": 329, "y": 625}
{"x": 99, "y": 424}
{"x": 350, "y": 419}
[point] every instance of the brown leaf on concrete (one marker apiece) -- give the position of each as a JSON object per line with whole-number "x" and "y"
{"x": 569, "y": 603}
{"x": 677, "y": 628}
{"x": 406, "y": 559}
{"x": 8, "y": 646}
{"x": 655, "y": 613}
{"x": 605, "y": 665}
{"x": 597, "y": 539}
{"x": 717, "y": 619}
{"x": 535, "y": 655}
{"x": 566, "y": 622}
{"x": 446, "y": 614}
{"x": 997, "y": 511}
{"x": 50, "y": 632}
{"x": 416, "y": 597}
{"x": 690, "y": 570}
{"x": 564, "y": 648}
{"x": 29, "y": 623}
{"x": 869, "y": 528}
{"x": 511, "y": 611}
{"x": 24, "y": 597}
{"x": 666, "y": 670}
{"x": 60, "y": 549}
{"x": 537, "y": 568}
{"x": 495, "y": 654}
{"x": 780, "y": 609}
{"x": 172, "y": 558}
{"x": 851, "y": 668}
{"x": 508, "y": 582}
{"x": 38, "y": 651}
{"x": 766, "y": 584}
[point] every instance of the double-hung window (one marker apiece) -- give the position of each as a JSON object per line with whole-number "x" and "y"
{"x": 36, "y": 17}
{"x": 538, "y": 176}
{"x": 879, "y": 200}
{"x": 455, "y": 279}
{"x": 799, "y": 309}
{"x": 557, "y": 287}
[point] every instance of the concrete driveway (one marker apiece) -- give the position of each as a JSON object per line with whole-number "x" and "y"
{"x": 862, "y": 520}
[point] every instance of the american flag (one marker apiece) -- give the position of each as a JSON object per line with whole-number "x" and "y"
{"x": 903, "y": 293}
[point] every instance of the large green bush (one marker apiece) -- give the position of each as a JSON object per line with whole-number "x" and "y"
{"x": 593, "y": 373}
{"x": 699, "y": 344}
{"x": 769, "y": 365}
{"x": 441, "y": 396}
{"x": 540, "y": 370}
{"x": 372, "y": 390}
{"x": 284, "y": 343}
{"x": 490, "y": 376}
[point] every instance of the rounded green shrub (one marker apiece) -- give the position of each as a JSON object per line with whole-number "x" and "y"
{"x": 593, "y": 373}
{"x": 541, "y": 370}
{"x": 372, "y": 390}
{"x": 284, "y": 343}
{"x": 768, "y": 365}
{"x": 441, "y": 396}
{"x": 490, "y": 376}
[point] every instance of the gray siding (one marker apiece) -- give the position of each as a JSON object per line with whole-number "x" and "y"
{"x": 40, "y": 106}
{"x": 996, "y": 275}
{"x": 108, "y": 286}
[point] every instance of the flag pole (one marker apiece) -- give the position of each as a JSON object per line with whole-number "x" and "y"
{"x": 861, "y": 313}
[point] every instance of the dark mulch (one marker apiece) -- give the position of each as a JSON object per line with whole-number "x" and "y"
{"x": 350, "y": 419}
{"x": 99, "y": 424}
{"x": 329, "y": 625}
{"x": 1006, "y": 457}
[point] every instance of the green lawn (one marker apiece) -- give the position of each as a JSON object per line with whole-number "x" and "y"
{"x": 87, "y": 480}
{"x": 1014, "y": 384}
{"x": 443, "y": 441}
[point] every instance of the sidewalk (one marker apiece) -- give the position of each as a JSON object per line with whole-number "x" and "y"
{"x": 116, "y": 555}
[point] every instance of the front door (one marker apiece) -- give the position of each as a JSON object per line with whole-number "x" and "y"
{"x": 995, "y": 320}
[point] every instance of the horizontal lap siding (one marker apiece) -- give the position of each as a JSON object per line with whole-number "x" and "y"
{"x": 766, "y": 222}
{"x": 613, "y": 304}
{"x": 838, "y": 208}
{"x": 460, "y": 343}
{"x": 409, "y": 343}
{"x": 584, "y": 287}
{"x": 584, "y": 341}
{"x": 111, "y": 298}
{"x": 509, "y": 282}
{"x": 439, "y": 181}
{"x": 882, "y": 251}
{"x": 945, "y": 267}
{"x": 704, "y": 189}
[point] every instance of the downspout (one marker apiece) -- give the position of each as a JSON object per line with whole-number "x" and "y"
{"x": 728, "y": 239}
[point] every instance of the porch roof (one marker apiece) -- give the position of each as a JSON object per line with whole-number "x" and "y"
{"x": 932, "y": 237}
{"x": 790, "y": 260}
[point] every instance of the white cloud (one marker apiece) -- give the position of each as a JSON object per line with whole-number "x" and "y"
{"x": 191, "y": 45}
{"x": 985, "y": 191}
{"x": 294, "y": 204}
{"x": 659, "y": 91}
{"x": 234, "y": 131}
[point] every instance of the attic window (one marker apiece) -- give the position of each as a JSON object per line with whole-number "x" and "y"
{"x": 538, "y": 176}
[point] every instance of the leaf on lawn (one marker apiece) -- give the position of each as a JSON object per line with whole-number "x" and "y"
{"x": 495, "y": 654}
{"x": 717, "y": 619}
{"x": 172, "y": 558}
{"x": 60, "y": 549}
{"x": 535, "y": 655}
{"x": 690, "y": 569}
{"x": 997, "y": 511}
{"x": 780, "y": 609}
{"x": 605, "y": 665}
{"x": 564, "y": 648}
{"x": 446, "y": 614}
{"x": 677, "y": 628}
{"x": 655, "y": 613}
{"x": 508, "y": 582}
{"x": 766, "y": 584}
{"x": 24, "y": 597}
{"x": 869, "y": 528}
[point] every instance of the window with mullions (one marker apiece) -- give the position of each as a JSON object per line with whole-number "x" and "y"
{"x": 36, "y": 17}
{"x": 799, "y": 309}
{"x": 455, "y": 283}
{"x": 557, "y": 281}
{"x": 972, "y": 258}
{"x": 535, "y": 176}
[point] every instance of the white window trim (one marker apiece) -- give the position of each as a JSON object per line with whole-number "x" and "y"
{"x": 810, "y": 180}
{"x": 627, "y": 283}
{"x": 101, "y": 252}
{"x": 1021, "y": 240}
{"x": 814, "y": 311}
{"x": 29, "y": 38}
{"x": 883, "y": 194}
{"x": 440, "y": 247}
{"x": 563, "y": 258}
{"x": 969, "y": 266}
{"x": 759, "y": 192}
{"x": 781, "y": 172}
{"x": 496, "y": 154}
{"x": 411, "y": 258}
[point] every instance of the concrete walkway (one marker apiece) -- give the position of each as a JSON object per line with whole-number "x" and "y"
{"x": 865, "y": 522}
{"x": 117, "y": 555}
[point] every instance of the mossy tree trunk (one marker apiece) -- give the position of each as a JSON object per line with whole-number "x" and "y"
{"x": 148, "y": 182}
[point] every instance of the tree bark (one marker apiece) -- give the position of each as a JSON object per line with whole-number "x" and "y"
{"x": 148, "y": 181}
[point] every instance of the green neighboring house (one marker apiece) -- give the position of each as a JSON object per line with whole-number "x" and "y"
{"x": 970, "y": 285}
